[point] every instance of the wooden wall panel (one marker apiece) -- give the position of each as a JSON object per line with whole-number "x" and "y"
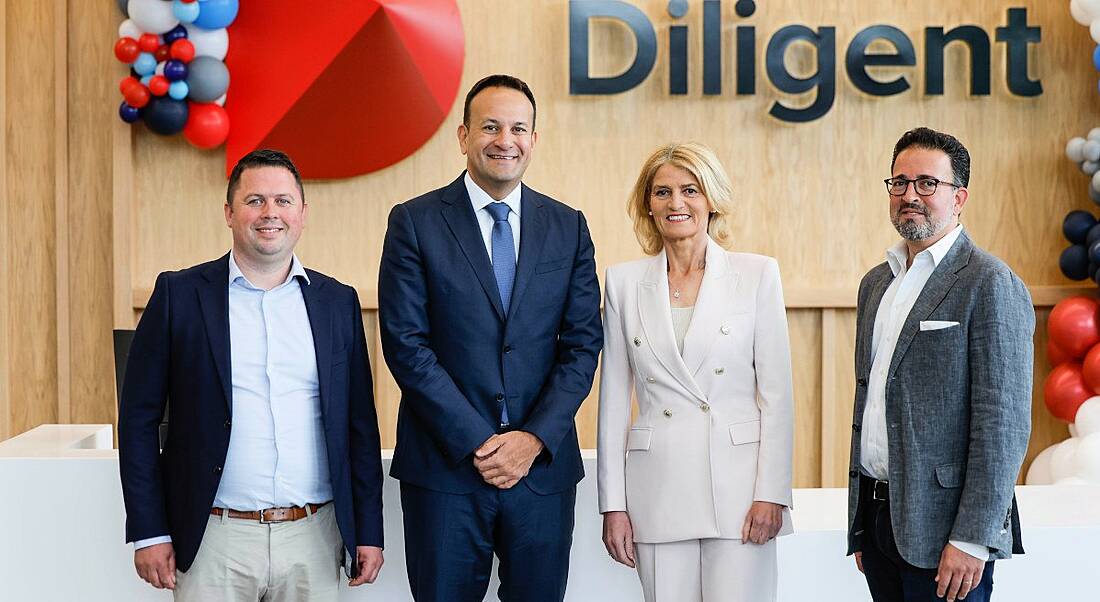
{"x": 5, "y": 258}
{"x": 806, "y": 339}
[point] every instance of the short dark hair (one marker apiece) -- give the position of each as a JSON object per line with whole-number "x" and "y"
{"x": 498, "y": 81}
{"x": 262, "y": 157}
{"x": 930, "y": 139}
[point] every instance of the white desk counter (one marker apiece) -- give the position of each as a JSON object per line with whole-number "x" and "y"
{"x": 61, "y": 537}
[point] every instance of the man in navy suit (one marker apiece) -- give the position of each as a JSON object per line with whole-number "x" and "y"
{"x": 270, "y": 473}
{"x": 490, "y": 322}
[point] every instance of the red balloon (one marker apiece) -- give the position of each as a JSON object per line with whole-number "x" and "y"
{"x": 136, "y": 96}
{"x": 162, "y": 53}
{"x": 127, "y": 50}
{"x": 158, "y": 85}
{"x": 183, "y": 50}
{"x": 187, "y": 1}
{"x": 1056, "y": 355}
{"x": 1090, "y": 369}
{"x": 207, "y": 125}
{"x": 126, "y": 83}
{"x": 1074, "y": 325}
{"x": 1065, "y": 390}
{"x": 149, "y": 42}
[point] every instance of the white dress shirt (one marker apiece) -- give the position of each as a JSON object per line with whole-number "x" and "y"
{"x": 893, "y": 310}
{"x": 479, "y": 199}
{"x": 277, "y": 455}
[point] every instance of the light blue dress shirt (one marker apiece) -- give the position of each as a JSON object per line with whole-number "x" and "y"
{"x": 479, "y": 199}
{"x": 277, "y": 455}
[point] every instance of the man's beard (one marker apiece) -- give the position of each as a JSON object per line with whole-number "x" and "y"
{"x": 913, "y": 230}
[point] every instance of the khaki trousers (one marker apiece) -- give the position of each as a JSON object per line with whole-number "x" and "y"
{"x": 243, "y": 560}
{"x": 707, "y": 570}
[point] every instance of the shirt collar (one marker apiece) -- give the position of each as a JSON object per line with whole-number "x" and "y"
{"x": 898, "y": 255}
{"x": 479, "y": 198}
{"x": 296, "y": 269}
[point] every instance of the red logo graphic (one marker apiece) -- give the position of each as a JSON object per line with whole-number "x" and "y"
{"x": 345, "y": 87}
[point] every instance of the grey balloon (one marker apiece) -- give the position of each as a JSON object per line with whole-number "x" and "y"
{"x": 1094, "y": 195}
{"x": 122, "y": 7}
{"x": 207, "y": 79}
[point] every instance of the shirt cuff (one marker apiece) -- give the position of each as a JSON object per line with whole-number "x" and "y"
{"x": 152, "y": 541}
{"x": 976, "y": 550}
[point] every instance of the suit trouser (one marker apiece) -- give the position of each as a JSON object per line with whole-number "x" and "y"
{"x": 450, "y": 540}
{"x": 707, "y": 570}
{"x": 889, "y": 577}
{"x": 244, "y": 560}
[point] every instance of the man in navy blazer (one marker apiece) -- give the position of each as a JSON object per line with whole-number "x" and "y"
{"x": 490, "y": 323}
{"x": 271, "y": 472}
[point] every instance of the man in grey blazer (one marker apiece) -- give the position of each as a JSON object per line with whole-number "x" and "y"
{"x": 943, "y": 392}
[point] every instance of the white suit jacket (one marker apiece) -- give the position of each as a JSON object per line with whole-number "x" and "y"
{"x": 714, "y": 429}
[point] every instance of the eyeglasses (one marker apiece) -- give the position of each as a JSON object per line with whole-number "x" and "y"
{"x": 923, "y": 186}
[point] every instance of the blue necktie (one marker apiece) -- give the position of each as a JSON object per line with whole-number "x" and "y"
{"x": 504, "y": 266}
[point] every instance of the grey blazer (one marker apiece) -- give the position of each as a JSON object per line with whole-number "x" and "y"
{"x": 958, "y": 406}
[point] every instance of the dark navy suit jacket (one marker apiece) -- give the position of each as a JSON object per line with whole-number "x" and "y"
{"x": 456, "y": 355}
{"x": 181, "y": 351}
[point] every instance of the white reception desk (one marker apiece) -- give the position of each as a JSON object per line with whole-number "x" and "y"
{"x": 61, "y": 536}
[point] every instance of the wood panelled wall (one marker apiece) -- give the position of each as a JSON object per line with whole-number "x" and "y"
{"x": 94, "y": 209}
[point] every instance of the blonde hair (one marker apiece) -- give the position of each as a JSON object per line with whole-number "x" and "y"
{"x": 704, "y": 166}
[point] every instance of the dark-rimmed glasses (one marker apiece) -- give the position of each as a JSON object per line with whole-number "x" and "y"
{"x": 923, "y": 186}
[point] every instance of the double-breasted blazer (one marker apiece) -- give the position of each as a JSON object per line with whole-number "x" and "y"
{"x": 714, "y": 427}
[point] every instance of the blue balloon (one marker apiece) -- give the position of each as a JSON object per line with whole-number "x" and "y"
{"x": 178, "y": 32}
{"x": 175, "y": 70}
{"x": 128, "y": 113}
{"x": 178, "y": 90}
{"x": 1096, "y": 58}
{"x": 145, "y": 64}
{"x": 185, "y": 12}
{"x": 216, "y": 14}
{"x": 1074, "y": 262}
{"x": 1076, "y": 226}
{"x": 166, "y": 116}
{"x": 145, "y": 79}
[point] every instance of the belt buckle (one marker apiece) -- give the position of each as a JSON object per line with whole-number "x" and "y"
{"x": 875, "y": 490}
{"x": 264, "y": 521}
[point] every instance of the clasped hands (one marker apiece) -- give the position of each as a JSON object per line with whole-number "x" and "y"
{"x": 505, "y": 459}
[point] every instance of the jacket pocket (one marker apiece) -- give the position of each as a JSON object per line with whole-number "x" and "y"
{"x": 553, "y": 265}
{"x": 639, "y": 438}
{"x": 745, "y": 432}
{"x": 950, "y": 475}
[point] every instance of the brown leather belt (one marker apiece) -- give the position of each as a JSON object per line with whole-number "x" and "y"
{"x": 271, "y": 515}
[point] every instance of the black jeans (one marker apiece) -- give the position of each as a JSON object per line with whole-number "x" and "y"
{"x": 889, "y": 577}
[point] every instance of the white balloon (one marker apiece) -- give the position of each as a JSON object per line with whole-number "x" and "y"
{"x": 1094, "y": 31}
{"x": 1079, "y": 13}
{"x": 1094, "y": 134}
{"x": 220, "y": 101}
{"x": 1088, "y": 458}
{"x": 1090, "y": 167}
{"x": 1091, "y": 150}
{"x": 1039, "y": 471}
{"x": 1096, "y": 181}
{"x": 129, "y": 29}
{"x": 1063, "y": 462}
{"x": 152, "y": 15}
{"x": 1075, "y": 149}
{"x": 208, "y": 42}
{"x": 1072, "y": 430}
{"x": 160, "y": 68}
{"x": 1087, "y": 422}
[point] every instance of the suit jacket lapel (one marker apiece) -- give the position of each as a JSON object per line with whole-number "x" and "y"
{"x": 532, "y": 234}
{"x": 320, "y": 324}
{"x": 655, "y": 313}
{"x": 716, "y": 292}
{"x": 214, "y": 302}
{"x": 867, "y": 324}
{"x": 460, "y": 218}
{"x": 937, "y": 287}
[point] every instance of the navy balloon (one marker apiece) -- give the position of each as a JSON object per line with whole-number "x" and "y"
{"x": 178, "y": 32}
{"x": 1094, "y": 252}
{"x": 216, "y": 14}
{"x": 1093, "y": 235}
{"x": 128, "y": 113}
{"x": 1074, "y": 261}
{"x": 175, "y": 70}
{"x": 165, "y": 115}
{"x": 1093, "y": 267}
{"x": 1076, "y": 226}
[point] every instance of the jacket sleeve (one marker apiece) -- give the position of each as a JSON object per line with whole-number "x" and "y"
{"x": 579, "y": 341}
{"x": 144, "y": 395}
{"x": 775, "y": 396}
{"x": 616, "y": 385}
{"x": 364, "y": 444}
{"x": 1000, "y": 351}
{"x": 426, "y": 387}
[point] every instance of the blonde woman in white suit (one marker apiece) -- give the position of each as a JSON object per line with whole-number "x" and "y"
{"x": 695, "y": 490}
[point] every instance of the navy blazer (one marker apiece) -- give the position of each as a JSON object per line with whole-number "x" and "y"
{"x": 457, "y": 357}
{"x": 181, "y": 351}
